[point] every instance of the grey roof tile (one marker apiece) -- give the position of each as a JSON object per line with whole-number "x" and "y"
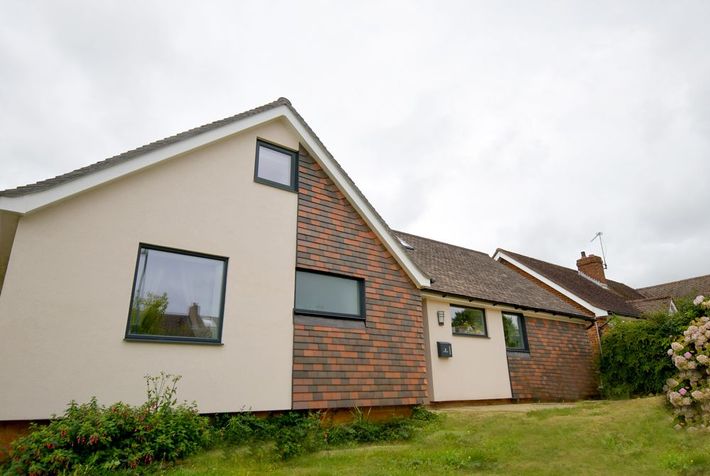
{"x": 613, "y": 300}
{"x": 690, "y": 287}
{"x": 473, "y": 274}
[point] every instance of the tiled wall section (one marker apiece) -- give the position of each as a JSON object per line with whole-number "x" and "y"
{"x": 560, "y": 365}
{"x": 382, "y": 363}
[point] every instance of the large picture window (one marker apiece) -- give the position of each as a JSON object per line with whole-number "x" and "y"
{"x": 329, "y": 295}
{"x": 276, "y": 166}
{"x": 468, "y": 321}
{"x": 177, "y": 296}
{"x": 514, "y": 329}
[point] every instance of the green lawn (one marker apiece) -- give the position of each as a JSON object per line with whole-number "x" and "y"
{"x": 621, "y": 437}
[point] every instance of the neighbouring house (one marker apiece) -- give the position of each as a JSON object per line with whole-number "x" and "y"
{"x": 663, "y": 297}
{"x": 492, "y": 334}
{"x": 238, "y": 254}
{"x": 586, "y": 288}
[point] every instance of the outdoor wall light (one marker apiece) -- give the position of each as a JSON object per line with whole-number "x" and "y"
{"x": 440, "y": 316}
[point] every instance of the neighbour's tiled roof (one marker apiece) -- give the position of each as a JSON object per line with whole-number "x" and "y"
{"x": 612, "y": 300}
{"x": 627, "y": 292}
{"x": 650, "y": 305}
{"x": 472, "y": 274}
{"x": 690, "y": 287}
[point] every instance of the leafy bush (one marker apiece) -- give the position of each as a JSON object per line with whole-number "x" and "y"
{"x": 362, "y": 430}
{"x": 93, "y": 438}
{"x": 293, "y": 433}
{"x": 689, "y": 390}
{"x": 633, "y": 360}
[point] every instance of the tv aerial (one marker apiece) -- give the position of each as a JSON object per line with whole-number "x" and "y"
{"x": 601, "y": 243}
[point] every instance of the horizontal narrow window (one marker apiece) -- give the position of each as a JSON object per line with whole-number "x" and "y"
{"x": 468, "y": 321}
{"x": 177, "y": 295}
{"x": 514, "y": 329}
{"x": 275, "y": 166}
{"x": 329, "y": 295}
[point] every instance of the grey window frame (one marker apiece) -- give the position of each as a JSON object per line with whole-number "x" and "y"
{"x": 293, "y": 186}
{"x": 485, "y": 321}
{"x": 308, "y": 312}
{"x": 523, "y": 332}
{"x": 176, "y": 339}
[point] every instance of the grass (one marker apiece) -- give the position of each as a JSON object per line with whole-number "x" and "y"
{"x": 607, "y": 437}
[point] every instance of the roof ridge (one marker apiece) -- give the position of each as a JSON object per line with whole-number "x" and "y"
{"x": 649, "y": 299}
{"x": 674, "y": 282}
{"x": 442, "y": 242}
{"x": 536, "y": 259}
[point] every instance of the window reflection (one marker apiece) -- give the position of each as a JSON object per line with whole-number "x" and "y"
{"x": 177, "y": 295}
{"x": 468, "y": 321}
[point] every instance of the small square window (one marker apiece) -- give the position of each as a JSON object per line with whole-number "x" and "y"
{"x": 514, "y": 329}
{"x": 468, "y": 321}
{"x": 328, "y": 295}
{"x": 276, "y": 166}
{"x": 177, "y": 296}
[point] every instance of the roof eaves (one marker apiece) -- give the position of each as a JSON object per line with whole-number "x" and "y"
{"x": 522, "y": 307}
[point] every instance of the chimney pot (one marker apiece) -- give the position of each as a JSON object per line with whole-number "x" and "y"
{"x": 584, "y": 255}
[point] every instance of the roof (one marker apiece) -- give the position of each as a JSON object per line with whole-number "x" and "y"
{"x": 690, "y": 287}
{"x": 650, "y": 305}
{"x": 472, "y": 274}
{"x": 612, "y": 300}
{"x": 27, "y": 198}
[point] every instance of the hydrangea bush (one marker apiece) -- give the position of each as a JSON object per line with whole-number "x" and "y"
{"x": 689, "y": 390}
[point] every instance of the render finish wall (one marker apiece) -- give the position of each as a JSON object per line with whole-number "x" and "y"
{"x": 478, "y": 369}
{"x": 65, "y": 301}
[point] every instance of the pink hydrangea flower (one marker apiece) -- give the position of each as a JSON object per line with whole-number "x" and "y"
{"x": 687, "y": 355}
{"x": 682, "y": 391}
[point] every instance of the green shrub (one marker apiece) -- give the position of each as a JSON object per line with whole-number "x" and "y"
{"x": 298, "y": 433}
{"x": 246, "y": 427}
{"x": 92, "y": 438}
{"x": 633, "y": 360}
{"x": 295, "y": 433}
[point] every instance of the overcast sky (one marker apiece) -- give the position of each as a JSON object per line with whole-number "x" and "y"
{"x": 523, "y": 125}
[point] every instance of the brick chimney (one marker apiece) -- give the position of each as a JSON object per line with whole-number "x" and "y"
{"x": 592, "y": 266}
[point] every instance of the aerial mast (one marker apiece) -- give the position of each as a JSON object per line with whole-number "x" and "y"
{"x": 601, "y": 243}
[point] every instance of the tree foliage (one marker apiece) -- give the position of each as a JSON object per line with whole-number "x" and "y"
{"x": 634, "y": 359}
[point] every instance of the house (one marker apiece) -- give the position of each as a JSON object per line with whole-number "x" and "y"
{"x": 492, "y": 334}
{"x": 241, "y": 256}
{"x": 238, "y": 254}
{"x": 586, "y": 288}
{"x": 662, "y": 297}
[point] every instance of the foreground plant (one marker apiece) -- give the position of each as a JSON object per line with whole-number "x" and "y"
{"x": 689, "y": 391}
{"x": 293, "y": 434}
{"x": 91, "y": 438}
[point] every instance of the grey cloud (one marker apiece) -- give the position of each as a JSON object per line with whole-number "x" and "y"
{"x": 529, "y": 126}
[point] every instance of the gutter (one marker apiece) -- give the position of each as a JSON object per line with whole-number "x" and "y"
{"x": 514, "y": 306}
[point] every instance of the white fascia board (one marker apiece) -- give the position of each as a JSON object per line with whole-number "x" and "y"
{"x": 27, "y": 203}
{"x": 511, "y": 308}
{"x": 598, "y": 312}
{"x": 33, "y": 201}
{"x": 356, "y": 200}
